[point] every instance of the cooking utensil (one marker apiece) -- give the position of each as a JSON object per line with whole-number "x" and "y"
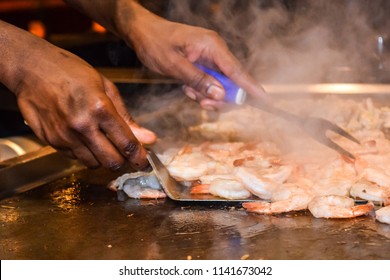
{"x": 34, "y": 169}
{"x": 315, "y": 127}
{"x": 177, "y": 191}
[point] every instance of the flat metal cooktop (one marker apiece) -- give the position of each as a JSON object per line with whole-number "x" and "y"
{"x": 78, "y": 218}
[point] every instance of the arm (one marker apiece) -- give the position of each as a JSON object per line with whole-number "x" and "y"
{"x": 171, "y": 48}
{"x": 67, "y": 103}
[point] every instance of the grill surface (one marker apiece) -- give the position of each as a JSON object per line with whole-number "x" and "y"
{"x": 78, "y": 218}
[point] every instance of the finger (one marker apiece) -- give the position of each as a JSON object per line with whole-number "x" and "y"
{"x": 125, "y": 141}
{"x": 143, "y": 135}
{"x": 67, "y": 153}
{"x": 193, "y": 94}
{"x": 197, "y": 79}
{"x": 103, "y": 150}
{"x": 84, "y": 155}
{"x": 114, "y": 95}
{"x": 205, "y": 103}
{"x": 212, "y": 105}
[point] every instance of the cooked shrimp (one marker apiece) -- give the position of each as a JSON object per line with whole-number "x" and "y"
{"x": 334, "y": 206}
{"x": 369, "y": 191}
{"x": 221, "y": 151}
{"x": 333, "y": 178}
{"x": 230, "y": 189}
{"x": 288, "y": 197}
{"x": 333, "y": 186}
{"x": 383, "y": 215}
{"x": 373, "y": 168}
{"x": 190, "y": 166}
{"x": 204, "y": 186}
{"x": 378, "y": 176}
{"x": 255, "y": 183}
{"x": 207, "y": 179}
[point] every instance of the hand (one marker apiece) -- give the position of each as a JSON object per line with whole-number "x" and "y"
{"x": 76, "y": 110}
{"x": 171, "y": 49}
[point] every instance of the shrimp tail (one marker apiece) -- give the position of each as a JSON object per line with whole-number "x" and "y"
{"x": 201, "y": 189}
{"x": 260, "y": 207}
{"x": 361, "y": 210}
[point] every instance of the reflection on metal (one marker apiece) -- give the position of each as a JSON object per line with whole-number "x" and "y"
{"x": 137, "y": 76}
{"x": 332, "y": 88}
{"x": 34, "y": 169}
{"x": 16, "y": 146}
{"x": 9, "y": 214}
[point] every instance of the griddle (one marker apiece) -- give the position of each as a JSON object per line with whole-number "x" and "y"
{"x": 77, "y": 217}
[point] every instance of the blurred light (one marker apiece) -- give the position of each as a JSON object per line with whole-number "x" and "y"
{"x": 37, "y": 28}
{"x": 96, "y": 27}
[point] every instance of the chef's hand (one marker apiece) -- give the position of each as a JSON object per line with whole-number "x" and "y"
{"x": 172, "y": 49}
{"x": 73, "y": 108}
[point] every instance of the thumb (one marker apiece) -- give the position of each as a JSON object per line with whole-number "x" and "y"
{"x": 197, "y": 79}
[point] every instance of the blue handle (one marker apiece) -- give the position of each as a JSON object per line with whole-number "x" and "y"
{"x": 233, "y": 93}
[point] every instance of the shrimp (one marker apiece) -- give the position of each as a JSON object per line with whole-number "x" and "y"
{"x": 378, "y": 176}
{"x": 226, "y": 188}
{"x": 335, "y": 206}
{"x": 141, "y": 192}
{"x": 373, "y": 168}
{"x": 383, "y": 215}
{"x": 190, "y": 166}
{"x": 288, "y": 197}
{"x": 138, "y": 185}
{"x": 255, "y": 183}
{"x": 334, "y": 178}
{"x": 207, "y": 179}
{"x": 221, "y": 151}
{"x": 369, "y": 191}
{"x": 333, "y": 186}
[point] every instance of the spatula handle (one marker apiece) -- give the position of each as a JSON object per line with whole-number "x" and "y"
{"x": 233, "y": 93}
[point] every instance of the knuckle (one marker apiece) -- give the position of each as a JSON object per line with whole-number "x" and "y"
{"x": 55, "y": 141}
{"x": 171, "y": 65}
{"x": 89, "y": 162}
{"x": 198, "y": 81}
{"x": 79, "y": 124}
{"x": 213, "y": 38}
{"x": 131, "y": 149}
{"x": 100, "y": 108}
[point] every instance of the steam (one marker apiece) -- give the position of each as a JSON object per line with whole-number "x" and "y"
{"x": 278, "y": 42}
{"x": 299, "y": 42}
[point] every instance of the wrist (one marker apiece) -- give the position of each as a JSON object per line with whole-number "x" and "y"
{"x": 131, "y": 19}
{"x": 20, "y": 53}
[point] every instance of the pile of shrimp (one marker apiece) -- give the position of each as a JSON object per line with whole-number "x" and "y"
{"x": 316, "y": 178}
{"x": 284, "y": 183}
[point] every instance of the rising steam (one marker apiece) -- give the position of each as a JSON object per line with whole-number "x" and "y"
{"x": 295, "y": 41}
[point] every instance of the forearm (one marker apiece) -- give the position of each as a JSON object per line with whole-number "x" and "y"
{"x": 22, "y": 54}
{"x": 11, "y": 54}
{"x": 116, "y": 15}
